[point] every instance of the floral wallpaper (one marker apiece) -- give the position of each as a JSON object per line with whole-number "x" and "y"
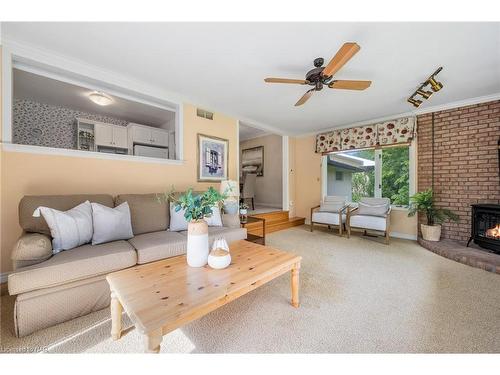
{"x": 48, "y": 125}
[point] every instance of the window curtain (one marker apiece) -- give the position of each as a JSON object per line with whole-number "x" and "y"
{"x": 381, "y": 134}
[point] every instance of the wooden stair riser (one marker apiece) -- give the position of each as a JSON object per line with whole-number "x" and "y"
{"x": 256, "y": 228}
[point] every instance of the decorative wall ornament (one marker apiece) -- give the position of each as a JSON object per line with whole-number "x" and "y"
{"x": 212, "y": 158}
{"x": 252, "y": 160}
{"x": 381, "y": 134}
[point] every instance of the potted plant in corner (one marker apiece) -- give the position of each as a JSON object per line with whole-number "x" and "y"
{"x": 424, "y": 202}
{"x": 196, "y": 208}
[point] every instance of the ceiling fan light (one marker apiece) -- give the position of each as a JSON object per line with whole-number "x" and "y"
{"x": 100, "y": 98}
{"x": 435, "y": 85}
{"x": 416, "y": 103}
{"x": 424, "y": 94}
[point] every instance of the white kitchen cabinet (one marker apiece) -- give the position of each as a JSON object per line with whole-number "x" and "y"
{"x": 110, "y": 135}
{"x": 159, "y": 137}
{"x": 120, "y": 136}
{"x": 140, "y": 134}
{"x": 146, "y": 135}
{"x": 103, "y": 134}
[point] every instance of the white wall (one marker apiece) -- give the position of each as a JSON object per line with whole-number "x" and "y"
{"x": 342, "y": 188}
{"x": 269, "y": 188}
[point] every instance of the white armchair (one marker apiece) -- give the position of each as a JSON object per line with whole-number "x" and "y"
{"x": 371, "y": 214}
{"x": 331, "y": 212}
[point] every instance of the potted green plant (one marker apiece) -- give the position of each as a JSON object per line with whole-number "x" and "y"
{"x": 196, "y": 208}
{"x": 424, "y": 202}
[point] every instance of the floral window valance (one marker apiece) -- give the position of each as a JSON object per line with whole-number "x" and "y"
{"x": 380, "y": 134}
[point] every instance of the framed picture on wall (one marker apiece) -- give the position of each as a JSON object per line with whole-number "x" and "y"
{"x": 252, "y": 160}
{"x": 212, "y": 158}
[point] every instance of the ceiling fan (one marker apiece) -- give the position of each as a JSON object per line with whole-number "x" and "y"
{"x": 322, "y": 75}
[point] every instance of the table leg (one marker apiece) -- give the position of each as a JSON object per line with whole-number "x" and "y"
{"x": 295, "y": 285}
{"x": 116, "y": 317}
{"x": 152, "y": 341}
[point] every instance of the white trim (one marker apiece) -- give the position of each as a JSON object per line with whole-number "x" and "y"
{"x": 404, "y": 236}
{"x": 29, "y": 149}
{"x": 179, "y": 133}
{"x": 238, "y": 152}
{"x": 286, "y": 171}
{"x": 4, "y": 277}
{"x": 324, "y": 177}
{"x": 417, "y": 112}
{"x": 378, "y": 174}
{"x": 7, "y": 94}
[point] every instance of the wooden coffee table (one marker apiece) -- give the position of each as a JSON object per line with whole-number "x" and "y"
{"x": 162, "y": 296}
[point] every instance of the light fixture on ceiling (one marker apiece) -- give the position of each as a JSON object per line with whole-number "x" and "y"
{"x": 435, "y": 85}
{"x": 416, "y": 103}
{"x": 426, "y": 94}
{"x": 100, "y": 98}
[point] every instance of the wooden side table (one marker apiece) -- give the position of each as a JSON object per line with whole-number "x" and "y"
{"x": 253, "y": 237}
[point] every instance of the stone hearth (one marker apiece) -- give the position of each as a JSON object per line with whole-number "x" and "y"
{"x": 466, "y": 255}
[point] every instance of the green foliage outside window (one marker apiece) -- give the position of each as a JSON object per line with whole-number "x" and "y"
{"x": 395, "y": 175}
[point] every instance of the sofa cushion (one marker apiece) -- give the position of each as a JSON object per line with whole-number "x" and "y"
{"x": 72, "y": 265}
{"x": 111, "y": 224}
{"x": 327, "y": 218}
{"x": 31, "y": 248}
{"x": 158, "y": 245}
{"x": 368, "y": 222}
{"x": 69, "y": 229}
{"x": 29, "y": 203}
{"x": 148, "y": 213}
{"x": 374, "y": 206}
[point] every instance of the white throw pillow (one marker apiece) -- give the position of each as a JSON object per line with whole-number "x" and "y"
{"x": 69, "y": 229}
{"x": 215, "y": 220}
{"x": 177, "y": 220}
{"x": 111, "y": 224}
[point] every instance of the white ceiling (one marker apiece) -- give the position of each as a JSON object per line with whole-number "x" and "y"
{"x": 249, "y": 132}
{"x": 50, "y": 91}
{"x": 221, "y": 66}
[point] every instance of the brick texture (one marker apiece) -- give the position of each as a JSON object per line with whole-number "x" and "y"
{"x": 465, "y": 161}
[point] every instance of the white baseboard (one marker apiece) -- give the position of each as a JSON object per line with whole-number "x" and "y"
{"x": 3, "y": 277}
{"x": 404, "y": 236}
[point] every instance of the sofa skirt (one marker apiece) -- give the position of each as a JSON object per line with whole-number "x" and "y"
{"x": 47, "y": 307}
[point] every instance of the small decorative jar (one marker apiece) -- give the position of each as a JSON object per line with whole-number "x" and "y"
{"x": 219, "y": 257}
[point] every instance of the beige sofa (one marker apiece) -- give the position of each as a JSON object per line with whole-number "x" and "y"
{"x": 51, "y": 289}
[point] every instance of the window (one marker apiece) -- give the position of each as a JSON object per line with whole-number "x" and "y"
{"x": 396, "y": 174}
{"x": 372, "y": 173}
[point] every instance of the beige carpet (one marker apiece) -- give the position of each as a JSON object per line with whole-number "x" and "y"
{"x": 357, "y": 295}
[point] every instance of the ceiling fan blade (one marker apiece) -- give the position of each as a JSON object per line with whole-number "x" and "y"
{"x": 349, "y": 84}
{"x": 305, "y": 97}
{"x": 343, "y": 55}
{"x": 286, "y": 80}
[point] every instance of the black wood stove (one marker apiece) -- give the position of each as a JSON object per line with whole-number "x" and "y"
{"x": 485, "y": 229}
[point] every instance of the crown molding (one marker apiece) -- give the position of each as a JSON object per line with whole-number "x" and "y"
{"x": 417, "y": 112}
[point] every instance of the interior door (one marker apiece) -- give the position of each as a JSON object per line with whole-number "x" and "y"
{"x": 120, "y": 136}
{"x": 159, "y": 137}
{"x": 103, "y": 134}
{"x": 141, "y": 135}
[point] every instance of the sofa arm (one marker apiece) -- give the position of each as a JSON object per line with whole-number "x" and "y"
{"x": 31, "y": 248}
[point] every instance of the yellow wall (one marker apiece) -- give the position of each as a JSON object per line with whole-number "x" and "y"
{"x": 307, "y": 176}
{"x": 307, "y": 186}
{"x": 24, "y": 173}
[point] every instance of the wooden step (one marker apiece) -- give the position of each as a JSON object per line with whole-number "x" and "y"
{"x": 275, "y": 221}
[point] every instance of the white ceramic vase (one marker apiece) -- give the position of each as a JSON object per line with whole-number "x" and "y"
{"x": 197, "y": 243}
{"x": 219, "y": 257}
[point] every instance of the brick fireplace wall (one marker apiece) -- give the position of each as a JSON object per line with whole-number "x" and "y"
{"x": 465, "y": 161}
